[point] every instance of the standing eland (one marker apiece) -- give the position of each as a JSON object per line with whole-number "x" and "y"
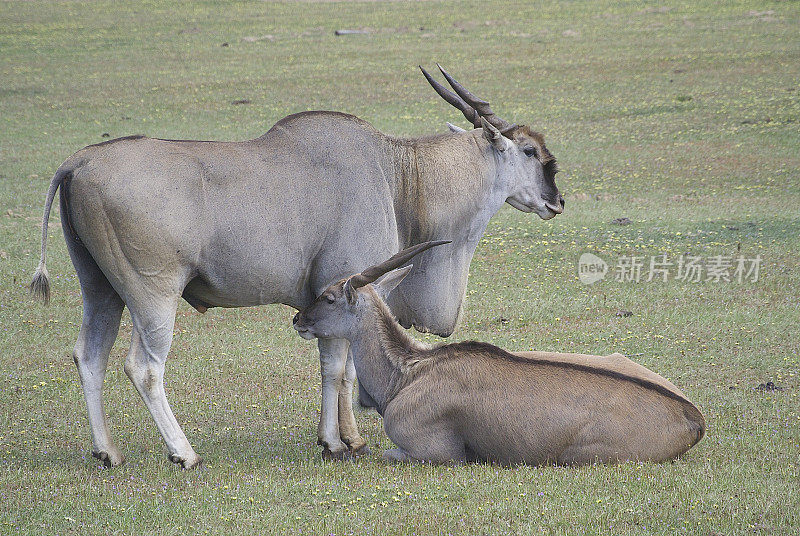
{"x": 276, "y": 219}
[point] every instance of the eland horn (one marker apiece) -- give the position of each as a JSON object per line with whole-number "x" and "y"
{"x": 471, "y": 106}
{"x": 395, "y": 261}
{"x": 456, "y": 101}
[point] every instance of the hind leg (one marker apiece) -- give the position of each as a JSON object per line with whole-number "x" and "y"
{"x": 101, "y": 318}
{"x": 102, "y": 310}
{"x": 150, "y": 343}
{"x": 427, "y": 446}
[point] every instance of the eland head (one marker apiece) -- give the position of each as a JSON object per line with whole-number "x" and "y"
{"x": 524, "y": 161}
{"x": 335, "y": 313}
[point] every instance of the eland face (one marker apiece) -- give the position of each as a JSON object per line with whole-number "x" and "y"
{"x": 336, "y": 313}
{"x": 327, "y": 317}
{"x": 530, "y": 170}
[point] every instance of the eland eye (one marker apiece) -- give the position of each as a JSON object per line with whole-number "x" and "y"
{"x": 329, "y": 298}
{"x": 530, "y": 151}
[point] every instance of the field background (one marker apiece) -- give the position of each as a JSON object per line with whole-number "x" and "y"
{"x": 683, "y": 117}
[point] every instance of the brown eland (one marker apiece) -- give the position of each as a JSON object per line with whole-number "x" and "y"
{"x": 473, "y": 401}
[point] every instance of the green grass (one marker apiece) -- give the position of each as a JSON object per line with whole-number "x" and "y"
{"x": 682, "y": 117}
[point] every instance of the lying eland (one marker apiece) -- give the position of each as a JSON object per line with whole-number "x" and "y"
{"x": 274, "y": 220}
{"x": 472, "y": 401}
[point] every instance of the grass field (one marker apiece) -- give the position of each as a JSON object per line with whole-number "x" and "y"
{"x": 683, "y": 117}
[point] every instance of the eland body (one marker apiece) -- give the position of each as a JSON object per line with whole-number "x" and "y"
{"x": 273, "y": 220}
{"x": 476, "y": 402}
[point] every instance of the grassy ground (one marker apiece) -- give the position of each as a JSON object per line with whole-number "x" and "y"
{"x": 682, "y": 117}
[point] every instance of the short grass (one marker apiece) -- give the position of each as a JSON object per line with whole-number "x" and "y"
{"x": 682, "y": 117}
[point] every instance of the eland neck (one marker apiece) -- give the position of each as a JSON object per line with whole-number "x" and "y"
{"x": 383, "y": 352}
{"x": 445, "y": 187}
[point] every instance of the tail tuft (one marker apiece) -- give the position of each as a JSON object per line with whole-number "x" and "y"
{"x": 40, "y": 286}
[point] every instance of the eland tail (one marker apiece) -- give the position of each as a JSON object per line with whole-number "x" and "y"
{"x": 40, "y": 285}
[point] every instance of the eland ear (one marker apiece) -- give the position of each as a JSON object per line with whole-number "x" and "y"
{"x": 350, "y": 293}
{"x": 388, "y": 282}
{"x": 454, "y": 128}
{"x": 494, "y": 136}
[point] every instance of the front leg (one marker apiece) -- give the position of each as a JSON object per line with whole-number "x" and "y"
{"x": 397, "y": 456}
{"x": 333, "y": 361}
{"x": 428, "y": 437}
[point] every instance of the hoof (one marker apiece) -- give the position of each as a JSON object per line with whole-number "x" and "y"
{"x": 361, "y": 451}
{"x": 396, "y": 456}
{"x": 358, "y": 447}
{"x": 339, "y": 455}
{"x": 109, "y": 459}
{"x": 192, "y": 462}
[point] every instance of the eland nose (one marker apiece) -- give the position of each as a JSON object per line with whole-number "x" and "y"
{"x": 296, "y": 318}
{"x": 557, "y": 206}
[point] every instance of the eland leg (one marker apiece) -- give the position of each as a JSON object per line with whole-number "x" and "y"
{"x": 348, "y": 429}
{"x": 101, "y": 318}
{"x": 364, "y": 400}
{"x": 438, "y": 448}
{"x": 397, "y": 456}
{"x": 333, "y": 361}
{"x": 102, "y": 310}
{"x": 150, "y": 343}
{"x": 427, "y": 436}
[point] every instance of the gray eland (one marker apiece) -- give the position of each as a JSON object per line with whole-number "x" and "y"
{"x": 473, "y": 401}
{"x": 276, "y": 219}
